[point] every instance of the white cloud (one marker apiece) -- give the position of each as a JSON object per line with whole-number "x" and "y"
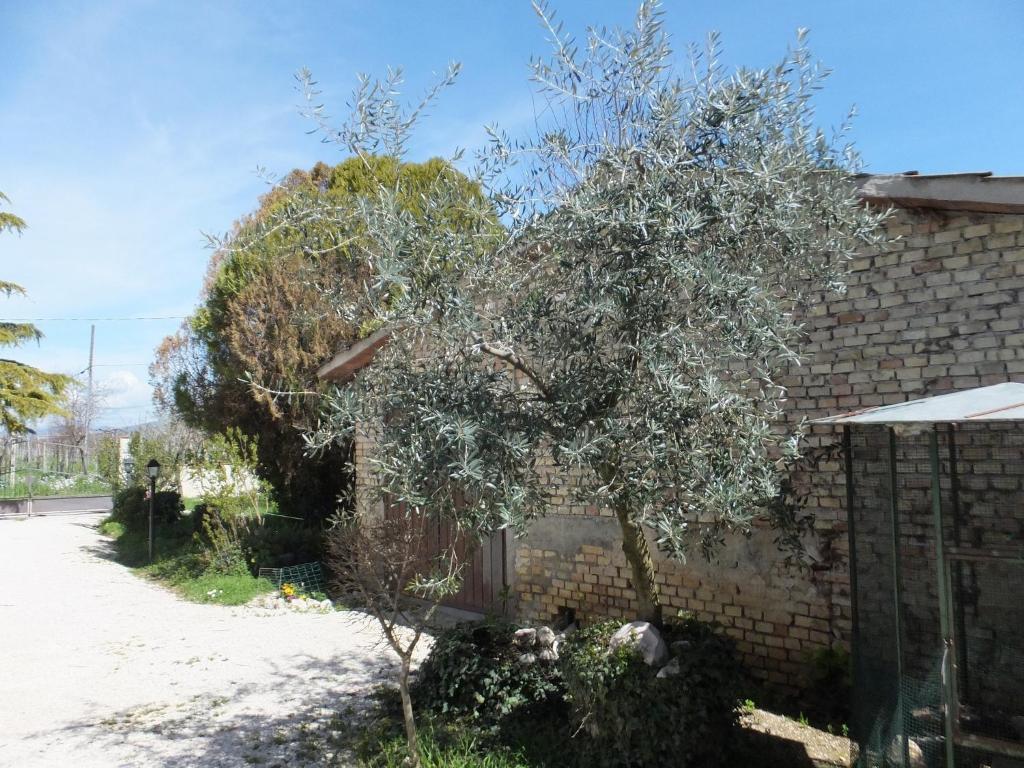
{"x": 127, "y": 398}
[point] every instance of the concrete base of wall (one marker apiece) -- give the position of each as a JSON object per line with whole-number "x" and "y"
{"x": 55, "y": 505}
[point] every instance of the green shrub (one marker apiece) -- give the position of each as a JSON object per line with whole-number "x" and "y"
{"x": 473, "y": 671}
{"x": 277, "y": 543}
{"x": 131, "y": 509}
{"x": 112, "y": 528}
{"x": 232, "y": 537}
{"x": 627, "y": 716}
{"x": 220, "y": 537}
{"x": 198, "y": 515}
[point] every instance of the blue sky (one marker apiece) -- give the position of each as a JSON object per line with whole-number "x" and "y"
{"x": 129, "y": 128}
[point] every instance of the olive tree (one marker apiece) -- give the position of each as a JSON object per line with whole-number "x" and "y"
{"x": 629, "y": 325}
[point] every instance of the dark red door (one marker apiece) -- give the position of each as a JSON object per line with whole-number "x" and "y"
{"x": 486, "y": 577}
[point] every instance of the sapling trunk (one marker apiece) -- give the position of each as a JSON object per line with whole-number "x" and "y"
{"x": 413, "y": 760}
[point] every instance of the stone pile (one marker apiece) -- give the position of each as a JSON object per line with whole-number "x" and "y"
{"x": 276, "y": 602}
{"x": 537, "y": 644}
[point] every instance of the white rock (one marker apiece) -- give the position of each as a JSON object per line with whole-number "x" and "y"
{"x": 548, "y": 654}
{"x": 326, "y": 605}
{"x": 527, "y": 659}
{"x": 647, "y": 639}
{"x": 525, "y": 638}
{"x": 559, "y": 639}
{"x": 545, "y": 637}
{"x": 914, "y": 752}
{"x": 669, "y": 670}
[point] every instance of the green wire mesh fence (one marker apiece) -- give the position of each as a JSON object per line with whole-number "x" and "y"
{"x": 936, "y": 582}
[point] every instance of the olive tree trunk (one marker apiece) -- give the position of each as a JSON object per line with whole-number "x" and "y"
{"x": 641, "y": 564}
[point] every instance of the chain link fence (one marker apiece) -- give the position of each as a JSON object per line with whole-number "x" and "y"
{"x": 32, "y": 467}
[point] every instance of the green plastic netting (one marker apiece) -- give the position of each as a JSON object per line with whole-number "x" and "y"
{"x": 308, "y": 577}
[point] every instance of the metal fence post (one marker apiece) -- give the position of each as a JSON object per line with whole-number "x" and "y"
{"x": 897, "y": 591}
{"x": 851, "y": 533}
{"x": 945, "y": 625}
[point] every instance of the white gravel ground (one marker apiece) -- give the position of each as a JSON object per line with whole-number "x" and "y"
{"x": 101, "y": 668}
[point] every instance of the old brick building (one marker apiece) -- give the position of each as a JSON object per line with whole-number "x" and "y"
{"x": 938, "y": 310}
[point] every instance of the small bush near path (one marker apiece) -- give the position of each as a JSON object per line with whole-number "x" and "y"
{"x": 131, "y": 509}
{"x": 449, "y": 742}
{"x": 591, "y": 707}
{"x": 111, "y": 528}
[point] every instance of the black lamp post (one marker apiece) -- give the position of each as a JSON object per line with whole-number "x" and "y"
{"x": 153, "y": 470}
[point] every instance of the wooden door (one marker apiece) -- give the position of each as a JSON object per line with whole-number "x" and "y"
{"x": 486, "y": 579}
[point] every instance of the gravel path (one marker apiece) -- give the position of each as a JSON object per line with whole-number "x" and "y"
{"x": 101, "y": 668}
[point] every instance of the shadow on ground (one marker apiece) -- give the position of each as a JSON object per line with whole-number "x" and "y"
{"x": 762, "y": 750}
{"x": 276, "y": 722}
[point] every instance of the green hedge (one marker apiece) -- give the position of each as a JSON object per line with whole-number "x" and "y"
{"x": 131, "y": 509}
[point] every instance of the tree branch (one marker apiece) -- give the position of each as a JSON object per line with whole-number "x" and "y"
{"x": 510, "y": 357}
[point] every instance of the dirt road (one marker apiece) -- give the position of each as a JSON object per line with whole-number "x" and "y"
{"x": 100, "y": 668}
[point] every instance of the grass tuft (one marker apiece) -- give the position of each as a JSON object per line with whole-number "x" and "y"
{"x": 223, "y": 590}
{"x": 442, "y": 748}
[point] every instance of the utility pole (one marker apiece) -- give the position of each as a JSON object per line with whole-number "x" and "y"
{"x": 90, "y": 399}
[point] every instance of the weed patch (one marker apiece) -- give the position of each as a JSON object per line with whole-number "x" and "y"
{"x": 180, "y": 563}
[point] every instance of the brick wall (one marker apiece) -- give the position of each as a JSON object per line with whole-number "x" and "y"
{"x": 366, "y": 502}
{"x": 938, "y": 310}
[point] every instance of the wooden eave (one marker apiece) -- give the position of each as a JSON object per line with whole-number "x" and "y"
{"x": 347, "y": 362}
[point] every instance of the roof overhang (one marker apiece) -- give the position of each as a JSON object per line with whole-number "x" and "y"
{"x": 999, "y": 402}
{"x": 344, "y": 365}
{"x": 980, "y": 192}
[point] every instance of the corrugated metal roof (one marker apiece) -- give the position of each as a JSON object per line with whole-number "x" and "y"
{"x": 999, "y": 402}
